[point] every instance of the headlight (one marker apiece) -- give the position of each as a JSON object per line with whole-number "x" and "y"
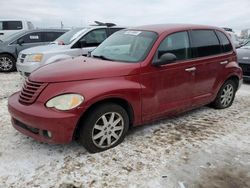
{"x": 34, "y": 58}
{"x": 65, "y": 102}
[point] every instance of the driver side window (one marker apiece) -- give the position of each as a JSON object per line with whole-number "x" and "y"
{"x": 177, "y": 44}
{"x": 94, "y": 38}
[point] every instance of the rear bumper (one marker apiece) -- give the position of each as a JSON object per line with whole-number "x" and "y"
{"x": 34, "y": 120}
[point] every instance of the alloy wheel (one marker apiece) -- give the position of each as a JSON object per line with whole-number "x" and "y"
{"x": 6, "y": 64}
{"x": 107, "y": 130}
{"x": 227, "y": 95}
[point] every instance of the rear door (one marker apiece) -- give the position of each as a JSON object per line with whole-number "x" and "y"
{"x": 168, "y": 88}
{"x": 209, "y": 62}
{"x": 29, "y": 40}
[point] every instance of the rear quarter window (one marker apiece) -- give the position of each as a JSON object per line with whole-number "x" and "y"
{"x": 224, "y": 41}
{"x": 205, "y": 43}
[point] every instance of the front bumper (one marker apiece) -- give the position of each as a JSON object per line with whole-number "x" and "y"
{"x": 35, "y": 120}
{"x": 26, "y": 68}
{"x": 246, "y": 78}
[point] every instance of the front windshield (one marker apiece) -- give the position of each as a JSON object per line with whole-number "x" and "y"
{"x": 14, "y": 36}
{"x": 247, "y": 45}
{"x": 69, "y": 36}
{"x": 126, "y": 45}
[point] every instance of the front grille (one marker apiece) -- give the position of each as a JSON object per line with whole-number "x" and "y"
{"x": 22, "y": 57}
{"x": 245, "y": 68}
{"x": 31, "y": 91}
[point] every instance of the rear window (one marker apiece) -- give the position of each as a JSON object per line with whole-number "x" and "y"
{"x": 225, "y": 43}
{"x": 51, "y": 36}
{"x": 205, "y": 43}
{"x": 11, "y": 25}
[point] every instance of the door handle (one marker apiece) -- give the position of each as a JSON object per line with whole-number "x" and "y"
{"x": 192, "y": 69}
{"x": 223, "y": 62}
{"x": 1, "y": 33}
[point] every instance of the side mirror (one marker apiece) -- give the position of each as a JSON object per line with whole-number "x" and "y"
{"x": 20, "y": 41}
{"x": 165, "y": 59}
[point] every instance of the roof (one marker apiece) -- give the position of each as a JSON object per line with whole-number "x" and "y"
{"x": 39, "y": 30}
{"x": 160, "y": 28}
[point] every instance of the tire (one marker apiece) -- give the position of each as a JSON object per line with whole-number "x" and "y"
{"x": 7, "y": 63}
{"x": 97, "y": 133}
{"x": 226, "y": 95}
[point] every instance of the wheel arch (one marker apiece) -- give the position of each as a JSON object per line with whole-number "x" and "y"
{"x": 10, "y": 54}
{"x": 235, "y": 79}
{"x": 116, "y": 100}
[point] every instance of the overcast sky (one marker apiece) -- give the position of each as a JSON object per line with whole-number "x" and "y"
{"x": 49, "y": 13}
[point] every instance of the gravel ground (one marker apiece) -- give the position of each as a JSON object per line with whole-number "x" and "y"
{"x": 203, "y": 148}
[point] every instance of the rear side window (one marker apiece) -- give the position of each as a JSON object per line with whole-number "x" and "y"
{"x": 32, "y": 38}
{"x": 224, "y": 41}
{"x": 205, "y": 43}
{"x": 113, "y": 30}
{"x": 11, "y": 25}
{"x": 95, "y": 37}
{"x": 51, "y": 36}
{"x": 177, "y": 44}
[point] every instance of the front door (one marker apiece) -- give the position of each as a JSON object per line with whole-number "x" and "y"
{"x": 168, "y": 88}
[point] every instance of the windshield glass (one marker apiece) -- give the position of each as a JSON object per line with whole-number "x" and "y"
{"x": 126, "y": 45}
{"x": 14, "y": 36}
{"x": 247, "y": 45}
{"x": 69, "y": 36}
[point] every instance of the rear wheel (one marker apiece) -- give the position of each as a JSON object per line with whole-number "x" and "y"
{"x": 7, "y": 63}
{"x": 105, "y": 127}
{"x": 225, "y": 96}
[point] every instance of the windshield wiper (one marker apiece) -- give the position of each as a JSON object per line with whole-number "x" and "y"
{"x": 102, "y": 57}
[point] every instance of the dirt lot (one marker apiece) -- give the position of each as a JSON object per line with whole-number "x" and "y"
{"x": 203, "y": 148}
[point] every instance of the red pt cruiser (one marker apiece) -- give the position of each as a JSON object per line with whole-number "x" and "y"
{"x": 134, "y": 77}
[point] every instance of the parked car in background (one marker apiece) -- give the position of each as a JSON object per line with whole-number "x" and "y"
{"x": 12, "y": 45}
{"x": 11, "y": 26}
{"x": 134, "y": 77}
{"x": 244, "y": 60}
{"x": 76, "y": 42}
{"x": 235, "y": 39}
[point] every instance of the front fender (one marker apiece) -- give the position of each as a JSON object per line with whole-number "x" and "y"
{"x": 127, "y": 88}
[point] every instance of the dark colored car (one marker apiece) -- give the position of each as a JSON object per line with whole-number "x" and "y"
{"x": 244, "y": 60}
{"x": 11, "y": 46}
{"x": 134, "y": 77}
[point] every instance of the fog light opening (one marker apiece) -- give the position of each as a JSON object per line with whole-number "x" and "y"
{"x": 47, "y": 134}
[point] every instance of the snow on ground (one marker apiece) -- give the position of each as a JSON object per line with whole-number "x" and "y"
{"x": 203, "y": 148}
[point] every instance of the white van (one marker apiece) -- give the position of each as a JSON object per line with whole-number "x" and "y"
{"x": 12, "y": 26}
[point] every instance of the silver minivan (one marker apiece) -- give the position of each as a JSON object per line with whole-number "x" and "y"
{"x": 76, "y": 42}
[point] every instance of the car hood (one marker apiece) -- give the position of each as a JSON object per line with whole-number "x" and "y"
{"x": 243, "y": 55}
{"x": 83, "y": 68}
{"x": 44, "y": 49}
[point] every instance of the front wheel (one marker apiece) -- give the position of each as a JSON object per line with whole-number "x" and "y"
{"x": 225, "y": 96}
{"x": 104, "y": 127}
{"x": 7, "y": 63}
